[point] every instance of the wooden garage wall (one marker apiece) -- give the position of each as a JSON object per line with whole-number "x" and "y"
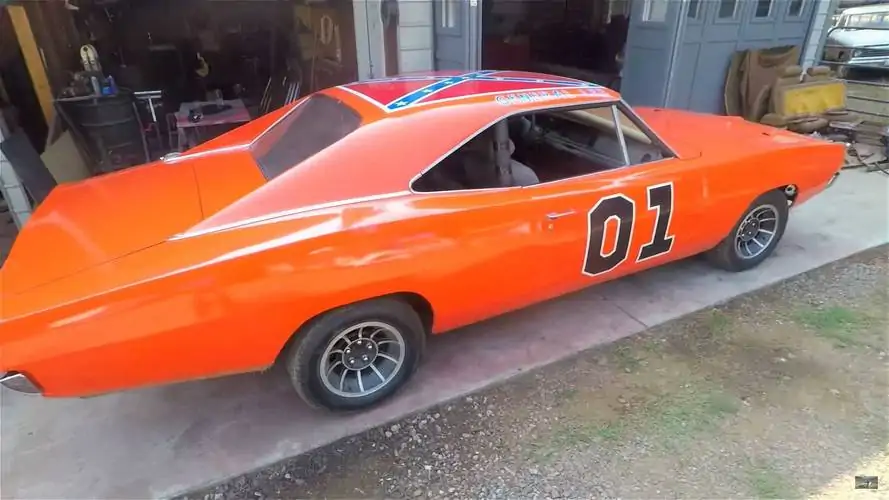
{"x": 44, "y": 33}
{"x": 8, "y": 46}
{"x": 8, "y": 43}
{"x": 57, "y": 43}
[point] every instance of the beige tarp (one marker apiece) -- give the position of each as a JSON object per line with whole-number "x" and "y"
{"x": 750, "y": 73}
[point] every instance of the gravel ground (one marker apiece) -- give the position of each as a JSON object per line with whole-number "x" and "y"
{"x": 777, "y": 394}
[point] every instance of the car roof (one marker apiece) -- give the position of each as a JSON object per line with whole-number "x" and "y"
{"x": 440, "y": 110}
{"x": 865, "y": 9}
{"x": 426, "y": 91}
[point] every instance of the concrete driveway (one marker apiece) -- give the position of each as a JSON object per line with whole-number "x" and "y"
{"x": 159, "y": 442}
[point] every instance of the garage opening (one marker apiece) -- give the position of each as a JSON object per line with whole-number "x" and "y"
{"x": 582, "y": 39}
{"x": 90, "y": 87}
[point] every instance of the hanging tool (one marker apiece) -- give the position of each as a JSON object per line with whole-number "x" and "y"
{"x": 90, "y": 58}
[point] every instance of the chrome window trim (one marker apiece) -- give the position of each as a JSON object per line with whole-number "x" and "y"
{"x": 276, "y": 122}
{"x": 615, "y": 104}
{"x": 615, "y": 117}
{"x": 486, "y": 127}
{"x": 176, "y": 156}
{"x": 591, "y": 174}
{"x": 650, "y": 132}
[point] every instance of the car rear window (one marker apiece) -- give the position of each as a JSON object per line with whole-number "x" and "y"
{"x": 315, "y": 124}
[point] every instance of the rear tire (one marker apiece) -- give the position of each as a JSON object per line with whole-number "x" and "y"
{"x": 755, "y": 236}
{"x": 356, "y": 356}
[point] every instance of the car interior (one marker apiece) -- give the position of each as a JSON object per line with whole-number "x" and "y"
{"x": 542, "y": 147}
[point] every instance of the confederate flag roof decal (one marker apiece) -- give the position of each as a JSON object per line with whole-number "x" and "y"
{"x": 410, "y": 91}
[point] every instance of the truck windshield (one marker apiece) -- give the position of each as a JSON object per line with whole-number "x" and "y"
{"x": 873, "y": 20}
{"x": 314, "y": 125}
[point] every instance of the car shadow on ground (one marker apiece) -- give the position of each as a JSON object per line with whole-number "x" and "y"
{"x": 772, "y": 395}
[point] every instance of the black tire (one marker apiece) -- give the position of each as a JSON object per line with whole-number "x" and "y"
{"x": 729, "y": 257}
{"x": 305, "y": 356}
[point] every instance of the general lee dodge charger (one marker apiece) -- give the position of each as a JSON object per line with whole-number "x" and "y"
{"x": 334, "y": 235}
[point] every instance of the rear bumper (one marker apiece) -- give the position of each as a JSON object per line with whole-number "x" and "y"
{"x": 19, "y": 382}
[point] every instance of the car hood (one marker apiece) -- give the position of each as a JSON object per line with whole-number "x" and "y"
{"x": 862, "y": 38}
{"x": 84, "y": 224}
{"x": 679, "y": 129}
{"x": 693, "y": 134}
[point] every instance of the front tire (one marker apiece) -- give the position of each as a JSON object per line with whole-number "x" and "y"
{"x": 356, "y": 356}
{"x": 755, "y": 236}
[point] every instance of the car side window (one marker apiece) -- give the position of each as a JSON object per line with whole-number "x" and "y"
{"x": 472, "y": 166}
{"x": 559, "y": 144}
{"x": 546, "y": 146}
{"x": 642, "y": 146}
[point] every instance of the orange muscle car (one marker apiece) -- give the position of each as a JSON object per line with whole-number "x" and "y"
{"x": 335, "y": 234}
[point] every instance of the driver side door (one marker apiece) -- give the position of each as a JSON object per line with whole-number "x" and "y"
{"x": 614, "y": 222}
{"x": 479, "y": 250}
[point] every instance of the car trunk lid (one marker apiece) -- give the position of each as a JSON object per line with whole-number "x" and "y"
{"x": 84, "y": 224}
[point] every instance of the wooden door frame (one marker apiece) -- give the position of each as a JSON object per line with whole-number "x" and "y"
{"x": 33, "y": 59}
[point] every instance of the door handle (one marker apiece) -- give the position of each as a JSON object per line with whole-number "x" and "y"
{"x": 558, "y": 215}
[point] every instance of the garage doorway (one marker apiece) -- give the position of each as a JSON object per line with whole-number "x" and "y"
{"x": 714, "y": 30}
{"x": 626, "y": 45}
{"x": 583, "y": 39}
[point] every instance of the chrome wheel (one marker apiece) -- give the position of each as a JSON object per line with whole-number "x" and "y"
{"x": 757, "y": 232}
{"x": 362, "y": 359}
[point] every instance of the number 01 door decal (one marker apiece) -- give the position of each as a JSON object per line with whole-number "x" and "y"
{"x": 622, "y": 209}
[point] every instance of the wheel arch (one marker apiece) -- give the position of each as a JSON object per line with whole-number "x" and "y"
{"x": 744, "y": 203}
{"x": 420, "y": 304}
{"x": 790, "y": 192}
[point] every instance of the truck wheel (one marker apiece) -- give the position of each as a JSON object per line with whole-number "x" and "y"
{"x": 355, "y": 356}
{"x": 755, "y": 236}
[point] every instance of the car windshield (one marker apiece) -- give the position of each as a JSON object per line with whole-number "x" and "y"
{"x": 314, "y": 125}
